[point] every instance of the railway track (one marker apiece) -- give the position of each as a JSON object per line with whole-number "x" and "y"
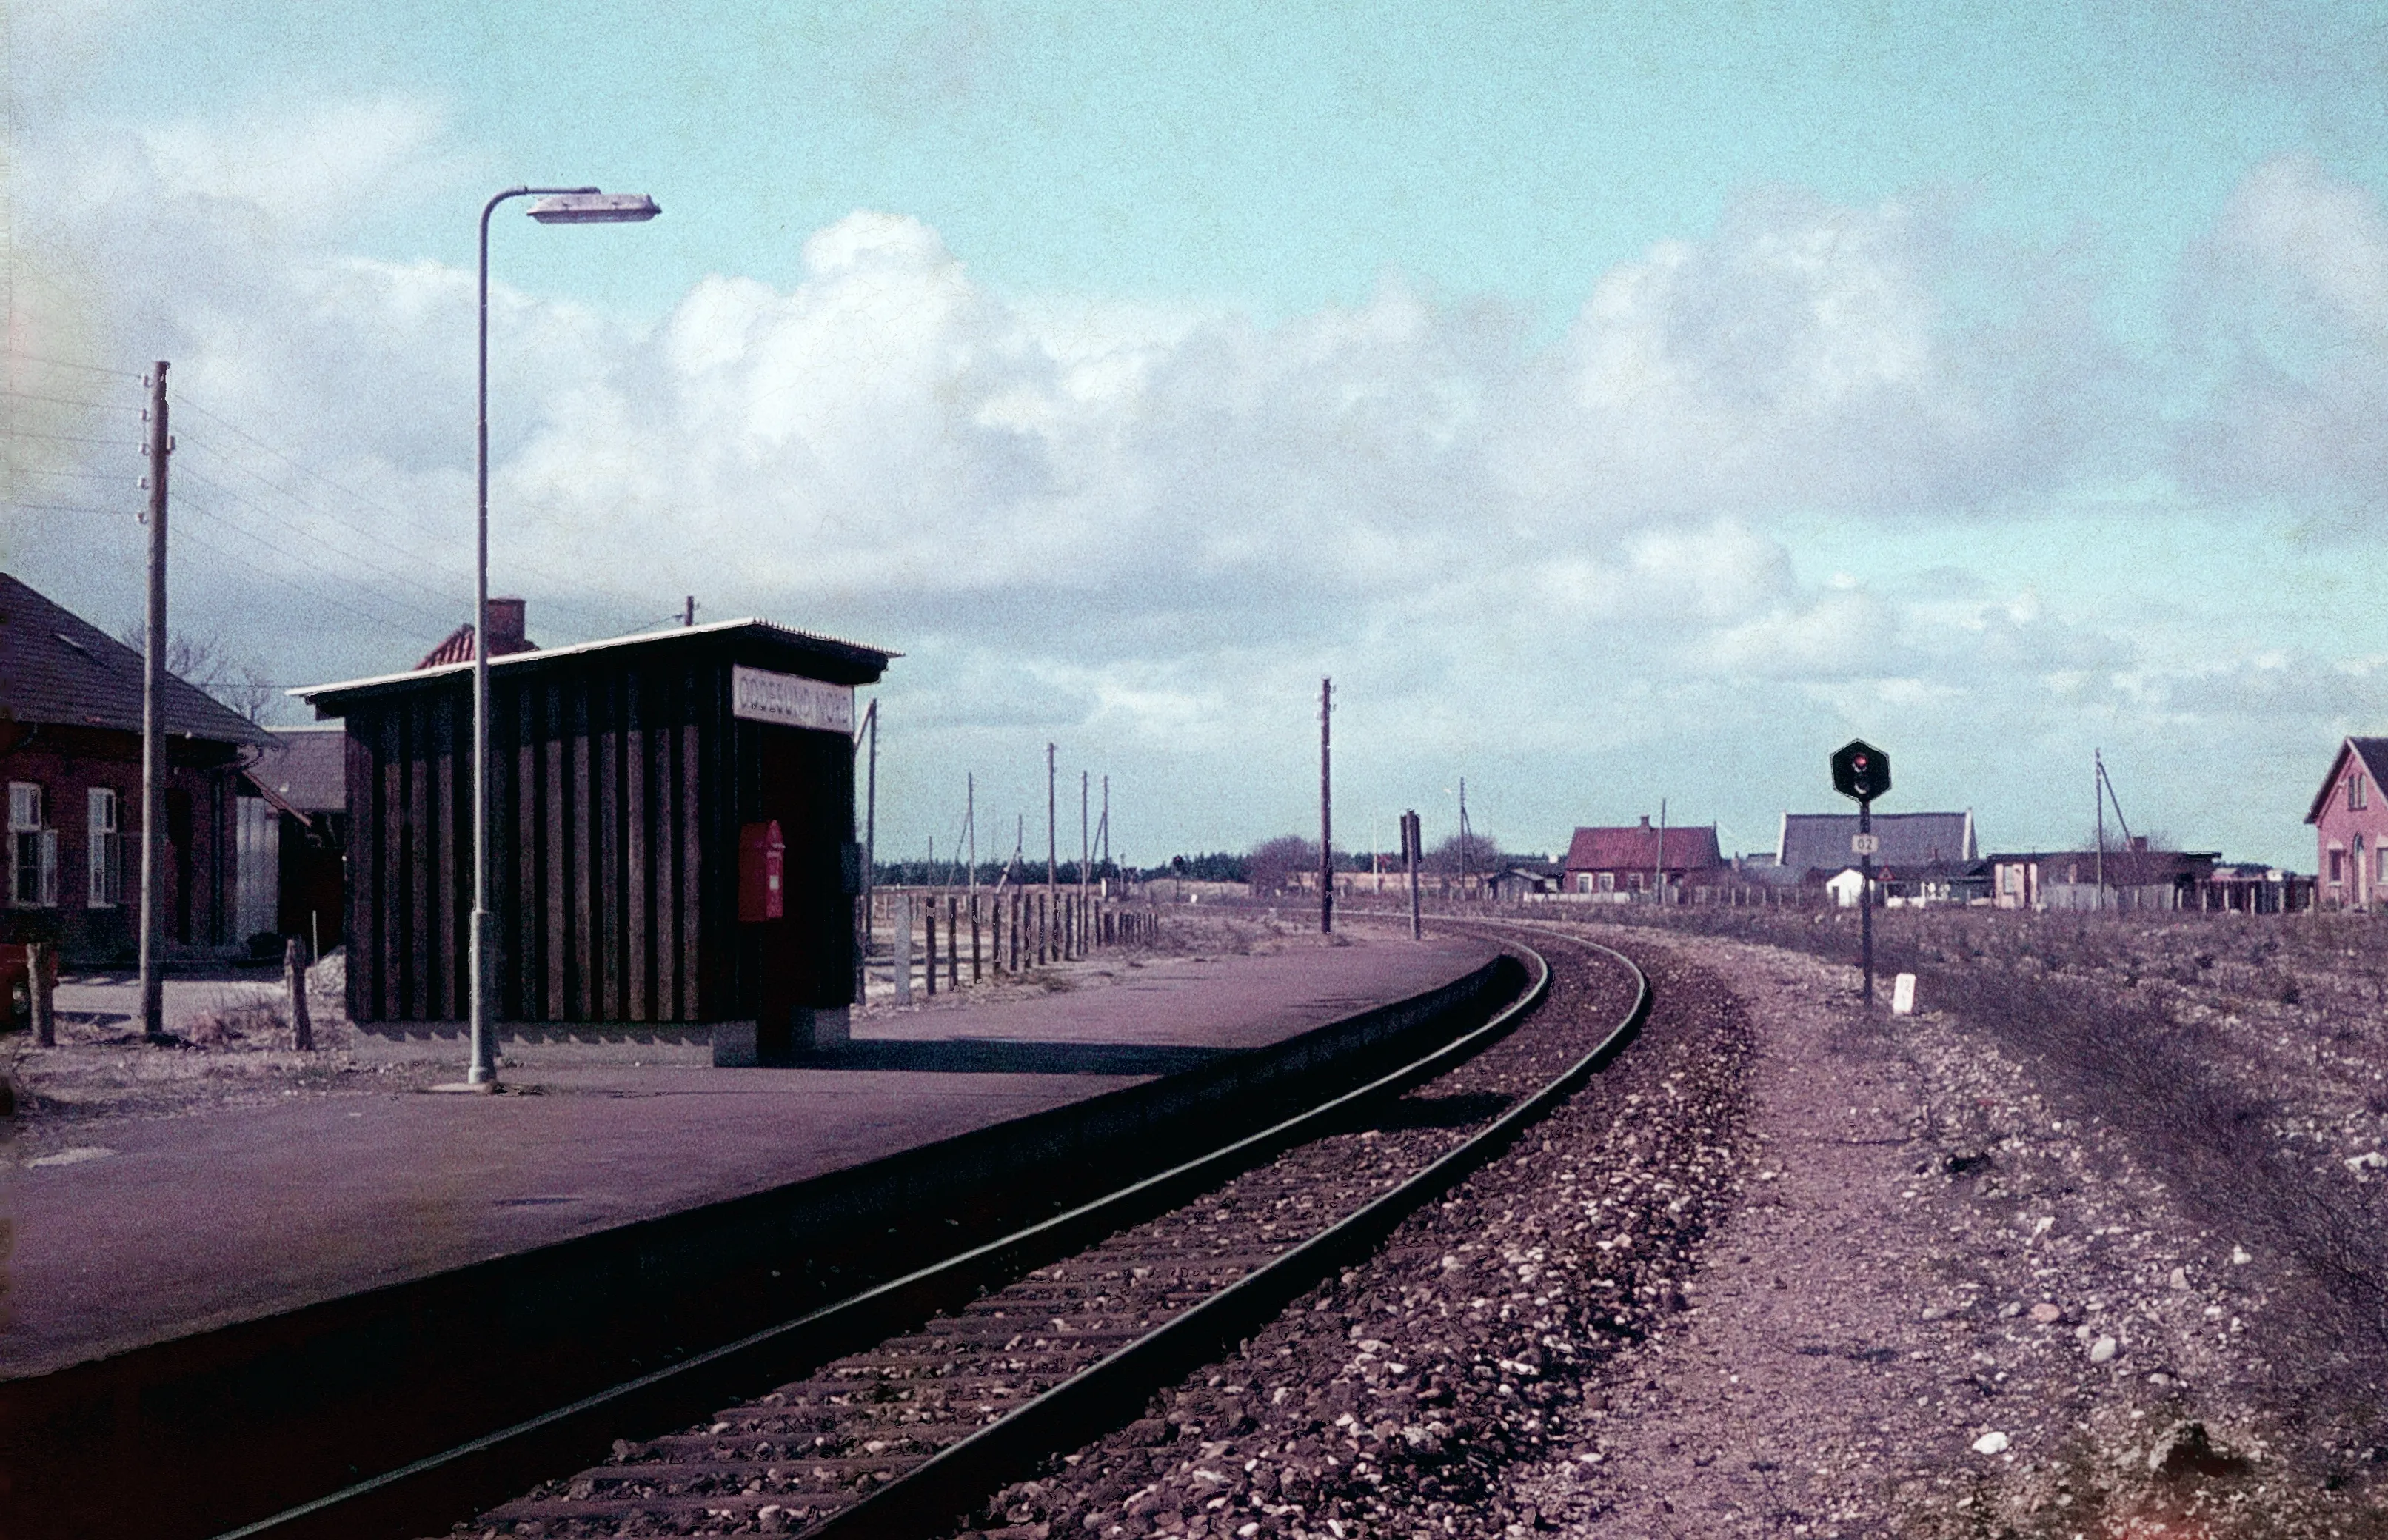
{"x": 964, "y": 1394}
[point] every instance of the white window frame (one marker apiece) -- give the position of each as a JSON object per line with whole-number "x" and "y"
{"x": 2359, "y": 796}
{"x": 104, "y": 813}
{"x": 32, "y": 849}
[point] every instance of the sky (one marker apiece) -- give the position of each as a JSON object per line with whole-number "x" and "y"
{"x": 1621, "y": 402}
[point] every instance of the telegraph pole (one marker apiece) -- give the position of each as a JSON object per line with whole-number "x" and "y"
{"x": 1325, "y": 813}
{"x": 1466, "y": 862}
{"x": 1052, "y": 838}
{"x": 2098, "y": 813}
{"x": 1085, "y": 856}
{"x": 153, "y": 737}
{"x": 1412, "y": 838}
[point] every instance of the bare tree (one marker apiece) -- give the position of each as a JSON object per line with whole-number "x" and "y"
{"x": 1481, "y": 853}
{"x": 1272, "y": 864}
{"x": 205, "y": 663}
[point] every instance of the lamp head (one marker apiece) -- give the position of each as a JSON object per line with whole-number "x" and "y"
{"x": 594, "y": 207}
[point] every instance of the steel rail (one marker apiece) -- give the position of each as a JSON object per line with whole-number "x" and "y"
{"x": 416, "y": 1493}
{"x": 921, "y": 1501}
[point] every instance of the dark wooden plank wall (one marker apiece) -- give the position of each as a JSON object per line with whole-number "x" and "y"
{"x": 617, "y": 800}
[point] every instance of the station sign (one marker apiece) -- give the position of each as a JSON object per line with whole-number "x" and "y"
{"x": 791, "y": 700}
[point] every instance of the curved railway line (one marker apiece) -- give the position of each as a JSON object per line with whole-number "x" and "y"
{"x": 982, "y": 1366}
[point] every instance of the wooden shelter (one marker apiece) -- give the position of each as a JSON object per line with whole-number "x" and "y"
{"x": 625, "y": 775}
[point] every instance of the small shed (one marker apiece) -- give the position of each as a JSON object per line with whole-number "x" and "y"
{"x": 627, "y": 776}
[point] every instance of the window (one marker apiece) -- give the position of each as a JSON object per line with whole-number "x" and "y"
{"x": 1608, "y": 882}
{"x": 106, "y": 889}
{"x": 32, "y": 849}
{"x": 2337, "y": 867}
{"x": 2359, "y": 796}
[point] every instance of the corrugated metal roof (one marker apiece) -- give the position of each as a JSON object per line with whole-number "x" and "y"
{"x": 778, "y": 632}
{"x": 1632, "y": 848}
{"x": 57, "y": 666}
{"x": 1820, "y": 842}
{"x": 306, "y": 767}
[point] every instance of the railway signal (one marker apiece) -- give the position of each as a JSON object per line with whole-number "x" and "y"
{"x": 1862, "y": 771}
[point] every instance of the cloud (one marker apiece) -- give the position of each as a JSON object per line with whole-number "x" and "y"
{"x": 2288, "y": 302}
{"x": 1154, "y": 525}
{"x": 1813, "y": 355}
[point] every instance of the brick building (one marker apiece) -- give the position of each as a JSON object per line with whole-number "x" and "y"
{"x": 2350, "y": 818}
{"x": 71, "y": 754}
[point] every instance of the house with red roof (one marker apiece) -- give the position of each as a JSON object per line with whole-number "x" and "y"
{"x": 2350, "y": 818}
{"x": 1628, "y": 860}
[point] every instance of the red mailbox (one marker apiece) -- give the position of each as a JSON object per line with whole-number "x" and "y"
{"x": 761, "y": 853}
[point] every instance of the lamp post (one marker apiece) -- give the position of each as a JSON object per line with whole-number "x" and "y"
{"x": 555, "y": 206}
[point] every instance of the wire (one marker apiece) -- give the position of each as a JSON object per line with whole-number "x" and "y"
{"x": 306, "y": 534}
{"x": 66, "y": 508}
{"x": 66, "y": 364}
{"x": 67, "y": 400}
{"x": 600, "y": 622}
{"x": 411, "y": 636}
{"x": 74, "y": 438}
{"x": 282, "y": 551}
{"x": 81, "y": 475}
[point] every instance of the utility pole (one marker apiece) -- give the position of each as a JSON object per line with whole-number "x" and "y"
{"x": 2098, "y": 800}
{"x": 1467, "y": 863}
{"x": 1412, "y": 838}
{"x": 1658, "y": 862}
{"x": 1086, "y": 854}
{"x": 153, "y": 737}
{"x": 1052, "y": 838}
{"x": 1325, "y": 813}
{"x": 1107, "y": 823}
{"x": 969, "y": 823}
{"x": 688, "y": 611}
{"x": 870, "y": 850}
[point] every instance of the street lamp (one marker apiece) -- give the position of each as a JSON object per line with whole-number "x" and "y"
{"x": 555, "y": 206}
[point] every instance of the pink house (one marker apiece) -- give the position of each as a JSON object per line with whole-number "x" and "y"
{"x": 2350, "y": 819}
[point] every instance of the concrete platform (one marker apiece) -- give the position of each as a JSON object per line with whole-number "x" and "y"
{"x": 179, "y": 1226}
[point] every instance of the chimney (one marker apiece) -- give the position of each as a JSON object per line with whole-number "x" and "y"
{"x": 1645, "y": 820}
{"x": 2138, "y": 845}
{"x": 506, "y": 628}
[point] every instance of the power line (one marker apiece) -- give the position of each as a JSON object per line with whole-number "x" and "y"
{"x": 69, "y": 508}
{"x": 307, "y": 535}
{"x": 412, "y": 637}
{"x": 69, "y": 363}
{"x": 73, "y": 438}
{"x": 81, "y": 475}
{"x": 590, "y": 616}
{"x": 67, "y": 401}
{"x": 282, "y": 551}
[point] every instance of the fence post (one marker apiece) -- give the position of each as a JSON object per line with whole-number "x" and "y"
{"x": 39, "y": 972}
{"x": 899, "y": 915}
{"x": 974, "y": 968}
{"x": 928, "y": 974}
{"x": 953, "y": 945}
{"x": 294, "y": 974}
